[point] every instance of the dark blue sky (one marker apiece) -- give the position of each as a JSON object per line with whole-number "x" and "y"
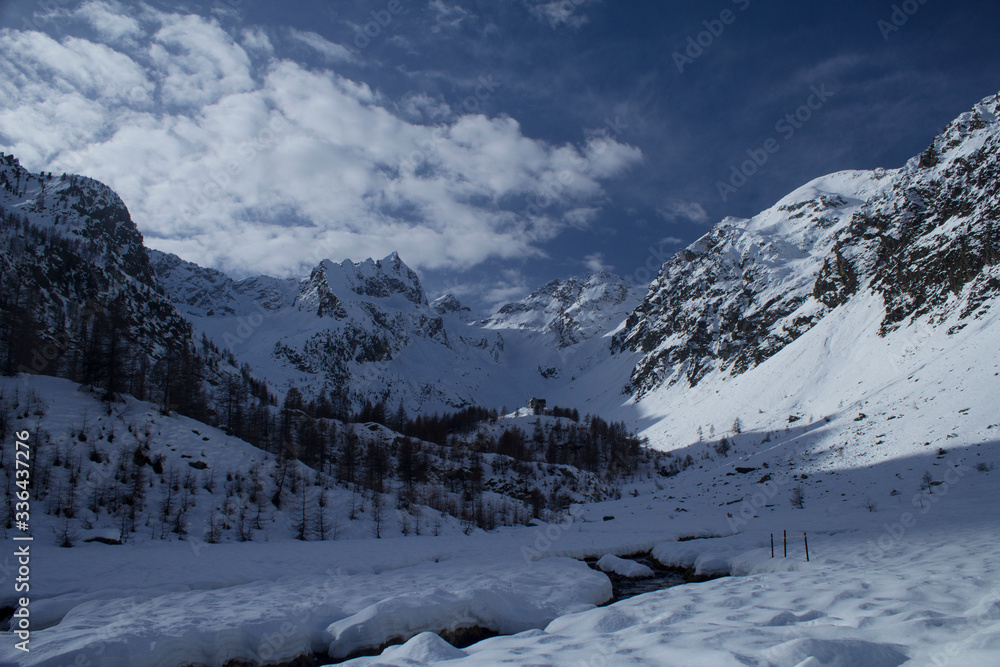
{"x": 567, "y": 72}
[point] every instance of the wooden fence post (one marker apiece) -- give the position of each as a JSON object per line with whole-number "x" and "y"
{"x": 805, "y": 541}
{"x": 784, "y": 542}
{"x": 772, "y": 545}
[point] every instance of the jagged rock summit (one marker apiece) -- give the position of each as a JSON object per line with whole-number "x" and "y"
{"x": 573, "y": 310}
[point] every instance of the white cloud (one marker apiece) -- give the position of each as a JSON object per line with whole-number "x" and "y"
{"x": 581, "y": 218}
{"x": 423, "y": 107}
{"x": 673, "y": 210}
{"x": 273, "y": 166}
{"x": 108, "y": 19}
{"x": 559, "y": 12}
{"x": 200, "y": 60}
{"x": 447, "y": 16}
{"x": 513, "y": 287}
{"x": 255, "y": 39}
{"x": 595, "y": 263}
{"x": 329, "y": 50}
{"x": 46, "y": 69}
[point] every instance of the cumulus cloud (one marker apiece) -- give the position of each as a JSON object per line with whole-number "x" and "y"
{"x": 108, "y": 19}
{"x": 674, "y": 210}
{"x": 272, "y": 166}
{"x": 197, "y": 61}
{"x": 595, "y": 263}
{"x": 581, "y": 218}
{"x": 256, "y": 40}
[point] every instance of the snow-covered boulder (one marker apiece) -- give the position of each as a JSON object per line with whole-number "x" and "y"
{"x": 624, "y": 567}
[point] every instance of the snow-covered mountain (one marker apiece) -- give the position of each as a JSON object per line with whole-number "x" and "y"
{"x": 449, "y": 304}
{"x": 572, "y": 310}
{"x": 369, "y": 327}
{"x": 924, "y": 238}
{"x": 71, "y": 259}
{"x": 210, "y": 293}
{"x": 364, "y": 329}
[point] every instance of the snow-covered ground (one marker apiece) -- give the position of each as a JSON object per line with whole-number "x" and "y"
{"x": 916, "y": 579}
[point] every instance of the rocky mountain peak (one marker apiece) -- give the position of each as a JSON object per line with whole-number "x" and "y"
{"x": 76, "y": 208}
{"x": 573, "y": 310}
{"x": 449, "y": 304}
{"x": 386, "y": 279}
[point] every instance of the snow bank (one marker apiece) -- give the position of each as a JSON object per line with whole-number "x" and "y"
{"x": 269, "y": 622}
{"x": 624, "y": 567}
{"x": 873, "y": 595}
{"x": 528, "y": 598}
{"x": 704, "y": 556}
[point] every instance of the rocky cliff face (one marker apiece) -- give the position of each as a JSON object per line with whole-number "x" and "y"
{"x": 449, "y": 304}
{"x": 923, "y": 237}
{"x": 932, "y": 239}
{"x": 71, "y": 253}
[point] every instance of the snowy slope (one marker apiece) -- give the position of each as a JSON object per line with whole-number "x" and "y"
{"x": 899, "y": 494}
{"x": 745, "y": 289}
{"x": 91, "y": 458}
{"x": 897, "y": 571}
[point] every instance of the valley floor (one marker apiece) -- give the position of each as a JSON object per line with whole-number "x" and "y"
{"x": 917, "y": 580}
